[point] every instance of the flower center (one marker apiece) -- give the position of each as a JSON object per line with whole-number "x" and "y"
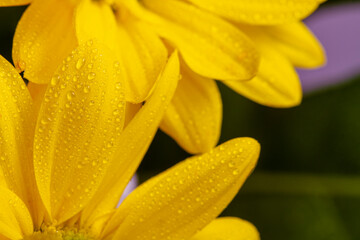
{"x": 52, "y": 233}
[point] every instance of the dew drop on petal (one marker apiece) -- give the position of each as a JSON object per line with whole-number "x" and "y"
{"x": 91, "y": 76}
{"x": 80, "y": 62}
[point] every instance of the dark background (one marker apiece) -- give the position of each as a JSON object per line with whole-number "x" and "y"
{"x": 307, "y": 182}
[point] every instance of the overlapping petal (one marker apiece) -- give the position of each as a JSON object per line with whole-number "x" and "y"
{"x": 37, "y": 92}
{"x": 276, "y": 84}
{"x": 261, "y": 12}
{"x": 4, "y": 3}
{"x": 44, "y": 36}
{"x": 296, "y": 42}
{"x": 95, "y": 19}
{"x": 185, "y": 198}
{"x": 195, "y": 114}
{"x": 131, "y": 110}
{"x": 15, "y": 219}
{"x": 228, "y": 228}
{"x": 143, "y": 59}
{"x": 133, "y": 144}
{"x": 2, "y": 179}
{"x": 210, "y": 46}
{"x": 139, "y": 49}
{"x": 17, "y": 124}
{"x": 79, "y": 122}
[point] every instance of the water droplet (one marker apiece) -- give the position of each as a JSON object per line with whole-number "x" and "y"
{"x": 54, "y": 80}
{"x": 87, "y": 89}
{"x": 80, "y": 62}
{"x": 118, "y": 85}
{"x": 116, "y": 112}
{"x": 70, "y": 95}
{"x": 90, "y": 43}
{"x": 44, "y": 122}
{"x": 91, "y": 76}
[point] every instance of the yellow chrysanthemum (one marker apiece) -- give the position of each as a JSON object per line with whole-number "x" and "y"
{"x": 63, "y": 169}
{"x": 228, "y": 40}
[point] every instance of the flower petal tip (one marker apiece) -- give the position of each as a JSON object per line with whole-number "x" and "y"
{"x": 294, "y": 101}
{"x": 229, "y": 228}
{"x": 242, "y": 151}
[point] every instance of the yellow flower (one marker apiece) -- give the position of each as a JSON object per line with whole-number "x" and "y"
{"x": 63, "y": 171}
{"x": 228, "y": 40}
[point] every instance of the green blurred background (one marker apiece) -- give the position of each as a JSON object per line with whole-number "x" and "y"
{"x": 307, "y": 182}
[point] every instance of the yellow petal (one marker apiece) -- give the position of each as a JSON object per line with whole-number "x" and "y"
{"x": 44, "y": 36}
{"x": 133, "y": 144}
{"x": 15, "y": 219}
{"x": 195, "y": 114}
{"x": 211, "y": 46}
{"x": 37, "y": 92}
{"x": 261, "y": 12}
{"x": 14, "y": 2}
{"x": 185, "y": 198}
{"x": 139, "y": 49}
{"x": 143, "y": 56}
{"x": 228, "y": 228}
{"x": 96, "y": 20}
{"x": 276, "y": 84}
{"x": 296, "y": 42}
{"x": 17, "y": 124}
{"x": 79, "y": 123}
{"x": 131, "y": 111}
{"x": 2, "y": 179}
